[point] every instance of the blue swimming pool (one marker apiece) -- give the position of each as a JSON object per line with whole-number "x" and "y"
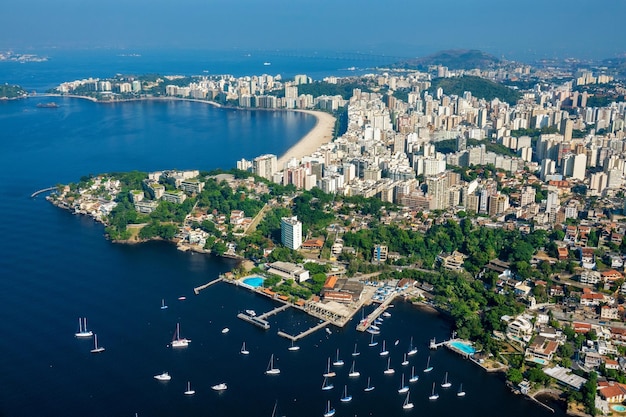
{"x": 463, "y": 347}
{"x": 619, "y": 408}
{"x": 254, "y": 281}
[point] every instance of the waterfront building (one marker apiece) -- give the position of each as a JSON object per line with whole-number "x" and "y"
{"x": 265, "y": 166}
{"x": 289, "y": 270}
{"x": 291, "y": 232}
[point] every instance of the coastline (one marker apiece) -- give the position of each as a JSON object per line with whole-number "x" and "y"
{"x": 321, "y": 134}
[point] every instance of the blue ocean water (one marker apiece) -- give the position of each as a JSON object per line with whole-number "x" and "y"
{"x": 56, "y": 267}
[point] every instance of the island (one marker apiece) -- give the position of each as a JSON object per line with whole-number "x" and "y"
{"x": 505, "y": 215}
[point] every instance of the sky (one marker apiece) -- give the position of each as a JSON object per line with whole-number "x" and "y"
{"x": 532, "y": 28}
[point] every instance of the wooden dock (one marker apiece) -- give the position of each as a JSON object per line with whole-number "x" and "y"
{"x": 304, "y": 333}
{"x": 207, "y": 285}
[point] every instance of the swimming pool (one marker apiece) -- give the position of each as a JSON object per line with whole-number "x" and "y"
{"x": 463, "y": 347}
{"x": 619, "y": 408}
{"x": 254, "y": 281}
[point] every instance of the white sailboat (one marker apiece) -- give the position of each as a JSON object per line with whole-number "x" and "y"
{"x": 403, "y": 388}
{"x": 405, "y": 361}
{"x": 356, "y": 352}
{"x": 372, "y": 342}
{"x": 446, "y": 383}
{"x": 165, "y": 376}
{"x": 433, "y": 395}
{"x": 346, "y": 398}
{"x": 369, "y": 386}
{"x": 353, "y": 373}
{"x": 225, "y": 330}
{"x": 163, "y": 305}
{"x": 330, "y": 412}
{"x": 327, "y": 385}
{"x": 428, "y": 367}
{"x": 412, "y": 349}
{"x": 96, "y": 348}
{"x": 338, "y": 362}
{"x": 329, "y": 373}
{"x": 82, "y": 328}
{"x": 177, "y": 341}
{"x": 413, "y": 378}
{"x": 243, "y": 350}
{"x": 386, "y": 314}
{"x": 461, "y": 393}
{"x": 270, "y": 367}
{"x": 407, "y": 405}
{"x": 389, "y": 369}
{"x": 189, "y": 390}
{"x": 293, "y": 347}
{"x": 383, "y": 351}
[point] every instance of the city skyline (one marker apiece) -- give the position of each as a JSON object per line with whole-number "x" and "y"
{"x": 536, "y": 30}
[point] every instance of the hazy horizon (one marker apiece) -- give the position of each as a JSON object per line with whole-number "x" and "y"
{"x": 536, "y": 30}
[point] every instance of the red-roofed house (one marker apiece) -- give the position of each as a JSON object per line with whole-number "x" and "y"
{"x": 580, "y": 327}
{"x": 612, "y": 392}
{"x": 591, "y": 299}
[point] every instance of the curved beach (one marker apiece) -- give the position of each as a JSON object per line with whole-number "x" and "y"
{"x": 321, "y": 133}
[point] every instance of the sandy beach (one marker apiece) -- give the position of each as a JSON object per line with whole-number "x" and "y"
{"x": 321, "y": 133}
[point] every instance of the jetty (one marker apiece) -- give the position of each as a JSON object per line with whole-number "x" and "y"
{"x": 304, "y": 333}
{"x": 257, "y": 321}
{"x": 45, "y": 190}
{"x": 434, "y": 345}
{"x": 207, "y": 285}
{"x": 365, "y": 323}
{"x": 274, "y": 311}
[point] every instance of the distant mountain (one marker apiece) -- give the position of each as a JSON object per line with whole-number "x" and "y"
{"x": 479, "y": 87}
{"x": 454, "y": 59}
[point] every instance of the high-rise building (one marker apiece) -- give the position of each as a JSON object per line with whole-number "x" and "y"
{"x": 265, "y": 166}
{"x": 291, "y": 232}
{"x": 438, "y": 190}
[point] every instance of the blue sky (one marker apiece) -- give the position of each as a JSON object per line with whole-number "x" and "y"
{"x": 540, "y": 28}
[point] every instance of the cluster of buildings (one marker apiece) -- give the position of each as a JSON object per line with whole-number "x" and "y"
{"x": 154, "y": 186}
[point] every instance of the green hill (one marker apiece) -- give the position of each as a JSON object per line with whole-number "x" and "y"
{"x": 479, "y": 87}
{"x": 454, "y": 59}
{"x": 11, "y": 91}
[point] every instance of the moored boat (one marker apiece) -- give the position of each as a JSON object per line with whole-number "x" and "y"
{"x": 165, "y": 376}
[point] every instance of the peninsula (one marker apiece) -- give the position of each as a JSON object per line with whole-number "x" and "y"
{"x": 507, "y": 217}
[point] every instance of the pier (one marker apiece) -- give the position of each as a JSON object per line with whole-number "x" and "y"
{"x": 434, "y": 345}
{"x": 257, "y": 321}
{"x": 274, "y": 311}
{"x": 36, "y": 193}
{"x": 207, "y": 285}
{"x": 364, "y": 324}
{"x": 304, "y": 333}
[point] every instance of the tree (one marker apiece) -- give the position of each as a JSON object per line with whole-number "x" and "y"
{"x": 514, "y": 375}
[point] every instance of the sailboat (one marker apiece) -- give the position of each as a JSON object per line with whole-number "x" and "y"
{"x": 369, "y": 386}
{"x": 293, "y": 347}
{"x": 330, "y": 412}
{"x": 433, "y": 395}
{"x": 96, "y": 348}
{"x": 338, "y": 362}
{"x": 403, "y": 388}
{"x": 384, "y": 351}
{"x": 446, "y": 383}
{"x": 428, "y": 367}
{"x": 243, "y": 350}
{"x": 163, "y": 306}
{"x": 189, "y": 390}
{"x": 353, "y": 373}
{"x": 270, "y": 367}
{"x": 414, "y": 377}
{"x": 356, "y": 352}
{"x": 405, "y": 362}
{"x": 372, "y": 342}
{"x": 327, "y": 385}
{"x": 412, "y": 349}
{"x": 177, "y": 341}
{"x": 407, "y": 405}
{"x": 329, "y": 373}
{"x": 461, "y": 393}
{"x": 82, "y": 328}
{"x": 346, "y": 398}
{"x": 389, "y": 369}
